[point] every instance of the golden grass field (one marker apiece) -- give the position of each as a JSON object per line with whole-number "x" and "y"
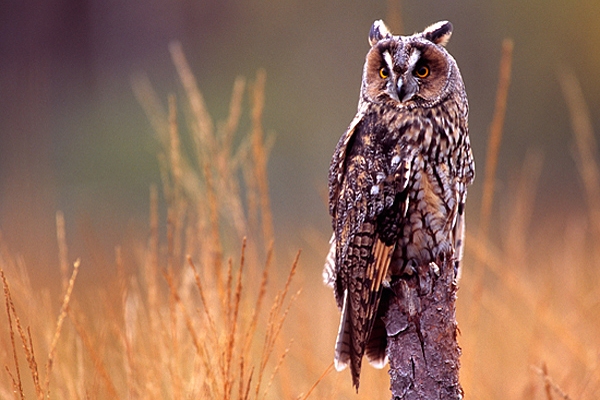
{"x": 207, "y": 308}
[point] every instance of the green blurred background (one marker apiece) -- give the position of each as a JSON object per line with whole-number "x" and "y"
{"x": 74, "y": 138}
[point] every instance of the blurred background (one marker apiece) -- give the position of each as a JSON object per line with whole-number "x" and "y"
{"x": 74, "y": 138}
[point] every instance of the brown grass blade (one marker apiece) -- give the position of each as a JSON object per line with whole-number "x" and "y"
{"x": 17, "y": 390}
{"x": 586, "y": 144}
{"x": 33, "y": 367}
{"x": 235, "y": 111}
{"x": 550, "y": 386}
{"x": 174, "y": 339}
{"x": 275, "y": 322}
{"x": 233, "y": 311}
{"x": 259, "y": 299}
{"x": 495, "y": 135}
{"x": 27, "y": 344}
{"x": 259, "y": 154}
{"x": 176, "y": 209}
{"x": 216, "y": 253}
{"x": 205, "y": 143}
{"x": 515, "y": 242}
{"x": 314, "y": 386}
{"x": 94, "y": 355}
{"x": 63, "y": 252}
{"x": 150, "y": 102}
{"x": 16, "y": 382}
{"x": 276, "y": 369}
{"x": 61, "y": 317}
{"x": 205, "y": 305}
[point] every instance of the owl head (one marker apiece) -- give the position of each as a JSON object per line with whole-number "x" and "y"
{"x": 410, "y": 71}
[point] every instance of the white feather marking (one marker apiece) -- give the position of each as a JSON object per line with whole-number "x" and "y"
{"x": 388, "y": 60}
{"x": 342, "y": 344}
{"x": 415, "y": 54}
{"x": 379, "y": 363}
{"x": 329, "y": 268}
{"x": 435, "y": 27}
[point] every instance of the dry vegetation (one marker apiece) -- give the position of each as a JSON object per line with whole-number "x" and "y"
{"x": 530, "y": 305}
{"x": 204, "y": 312}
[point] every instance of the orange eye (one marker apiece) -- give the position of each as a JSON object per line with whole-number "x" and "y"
{"x": 384, "y": 73}
{"x": 422, "y": 71}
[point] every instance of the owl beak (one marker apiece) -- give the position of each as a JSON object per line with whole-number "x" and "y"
{"x": 406, "y": 89}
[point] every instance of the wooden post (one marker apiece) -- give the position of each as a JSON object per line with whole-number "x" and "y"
{"x": 422, "y": 335}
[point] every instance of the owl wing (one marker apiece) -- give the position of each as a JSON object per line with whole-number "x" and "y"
{"x": 338, "y": 162}
{"x": 466, "y": 178}
{"x": 375, "y": 346}
{"x": 337, "y": 171}
{"x": 365, "y": 267}
{"x": 459, "y": 236}
{"x": 362, "y": 247}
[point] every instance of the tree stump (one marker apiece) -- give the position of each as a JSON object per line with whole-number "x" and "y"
{"x": 422, "y": 332}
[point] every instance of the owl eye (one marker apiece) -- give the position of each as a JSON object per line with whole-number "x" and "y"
{"x": 384, "y": 73}
{"x": 422, "y": 71}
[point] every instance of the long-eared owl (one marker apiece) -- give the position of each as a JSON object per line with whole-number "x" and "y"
{"x": 397, "y": 183}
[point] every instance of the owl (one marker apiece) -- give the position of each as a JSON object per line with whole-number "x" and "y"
{"x": 397, "y": 184}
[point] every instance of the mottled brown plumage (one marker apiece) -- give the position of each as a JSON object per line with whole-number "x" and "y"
{"x": 397, "y": 183}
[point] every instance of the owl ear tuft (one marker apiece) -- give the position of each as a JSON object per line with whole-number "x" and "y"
{"x": 438, "y": 33}
{"x": 378, "y": 31}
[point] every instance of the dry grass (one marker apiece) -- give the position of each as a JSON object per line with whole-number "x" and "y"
{"x": 188, "y": 320}
{"x": 204, "y": 310}
{"x": 528, "y": 306}
{"x": 495, "y": 135}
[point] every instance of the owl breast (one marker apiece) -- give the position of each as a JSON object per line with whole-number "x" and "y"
{"x": 427, "y": 228}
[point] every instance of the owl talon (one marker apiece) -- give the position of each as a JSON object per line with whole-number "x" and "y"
{"x": 425, "y": 280}
{"x": 435, "y": 268}
{"x": 410, "y": 269}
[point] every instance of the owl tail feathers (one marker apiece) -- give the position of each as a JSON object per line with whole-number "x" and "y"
{"x": 375, "y": 348}
{"x": 342, "y": 344}
{"x": 344, "y": 354}
{"x": 377, "y": 343}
